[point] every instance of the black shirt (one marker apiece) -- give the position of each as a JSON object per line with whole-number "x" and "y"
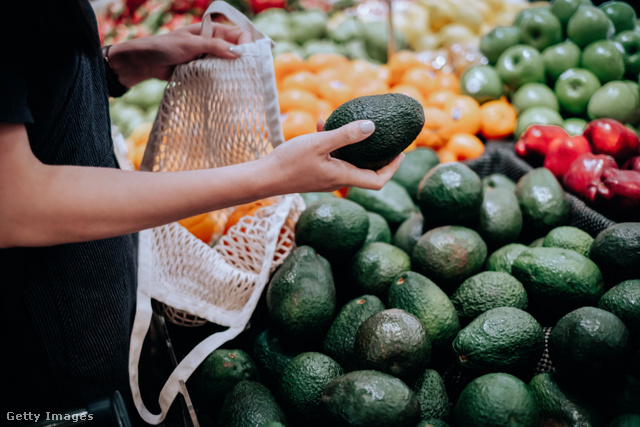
{"x": 67, "y": 309}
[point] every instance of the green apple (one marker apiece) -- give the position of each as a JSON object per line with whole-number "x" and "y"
{"x": 481, "y": 82}
{"x": 531, "y": 11}
{"x": 534, "y": 95}
{"x": 605, "y": 59}
{"x": 614, "y": 100}
{"x": 559, "y": 58}
{"x": 574, "y": 125}
{"x": 520, "y": 64}
{"x": 536, "y": 116}
{"x": 622, "y": 14}
{"x": 574, "y": 88}
{"x": 589, "y": 24}
{"x": 563, "y": 9}
{"x": 497, "y": 41}
{"x": 540, "y": 30}
{"x": 630, "y": 42}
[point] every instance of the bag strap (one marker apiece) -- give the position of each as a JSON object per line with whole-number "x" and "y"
{"x": 234, "y": 15}
{"x": 141, "y": 324}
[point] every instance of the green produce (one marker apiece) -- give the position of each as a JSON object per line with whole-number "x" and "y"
{"x": 625, "y": 420}
{"x": 346, "y": 30}
{"x": 314, "y": 196}
{"x": 500, "y": 220}
{"x": 542, "y": 201}
{"x": 486, "y": 290}
{"x": 432, "y": 422}
{"x": 448, "y": 255}
{"x": 392, "y": 202}
{"x": 574, "y": 89}
{"x": 409, "y": 232}
{"x": 534, "y": 95}
{"x": 590, "y": 341}
{"x": 482, "y": 83}
{"x": 303, "y": 381}
{"x": 498, "y": 340}
{"x": 414, "y": 167}
{"x": 498, "y": 399}
{"x": 614, "y": 100}
{"x": 271, "y": 355}
{"x": 557, "y": 405}
{"x": 526, "y": 13}
{"x": 374, "y": 267}
{"x": 431, "y": 391}
{"x": 558, "y": 280}
{"x": 392, "y": 341}
{"x": 306, "y": 25}
{"x": 146, "y": 94}
{"x": 219, "y": 372}
{"x": 416, "y": 294}
{"x": 569, "y": 237}
{"x": 520, "y": 64}
{"x": 398, "y": 118}
{"x": 589, "y": 24}
{"x": 250, "y": 403}
{"x": 537, "y": 243}
{"x": 450, "y": 194}
{"x": 334, "y": 227}
{"x": 498, "y": 180}
{"x": 502, "y": 259}
{"x": 376, "y": 37}
{"x": 623, "y": 300}
{"x": 497, "y": 41}
{"x": 314, "y": 46}
{"x": 564, "y": 9}
{"x": 536, "y": 116}
{"x": 560, "y": 57}
{"x": 574, "y": 126}
{"x": 301, "y": 295}
{"x": 616, "y": 250}
{"x": 274, "y": 23}
{"x": 370, "y": 398}
{"x": 621, "y": 13}
{"x": 604, "y": 59}
{"x": 540, "y": 30}
{"x": 630, "y": 42}
{"x": 379, "y": 230}
{"x": 339, "y": 341}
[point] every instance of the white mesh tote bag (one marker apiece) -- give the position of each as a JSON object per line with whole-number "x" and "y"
{"x": 214, "y": 112}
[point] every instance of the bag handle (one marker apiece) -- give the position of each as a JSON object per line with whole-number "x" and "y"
{"x": 234, "y": 15}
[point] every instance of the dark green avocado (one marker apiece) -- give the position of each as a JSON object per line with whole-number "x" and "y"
{"x": 398, "y": 118}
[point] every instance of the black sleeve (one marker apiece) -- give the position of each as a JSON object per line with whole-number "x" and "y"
{"x": 14, "y": 106}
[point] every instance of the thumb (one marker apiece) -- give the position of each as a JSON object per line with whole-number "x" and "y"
{"x": 347, "y": 134}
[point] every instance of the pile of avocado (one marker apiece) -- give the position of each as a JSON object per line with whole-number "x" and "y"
{"x": 446, "y": 298}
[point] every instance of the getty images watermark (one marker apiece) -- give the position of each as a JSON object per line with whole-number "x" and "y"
{"x": 49, "y": 416}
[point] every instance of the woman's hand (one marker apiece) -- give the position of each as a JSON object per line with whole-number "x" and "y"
{"x": 156, "y": 56}
{"x": 304, "y": 163}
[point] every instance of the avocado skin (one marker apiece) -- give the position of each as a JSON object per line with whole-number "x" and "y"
{"x": 369, "y": 398}
{"x": 301, "y": 296}
{"x": 431, "y": 391}
{"x": 398, "y": 118}
{"x": 250, "y": 403}
{"x": 616, "y": 250}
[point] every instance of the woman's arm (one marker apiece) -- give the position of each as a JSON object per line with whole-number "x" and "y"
{"x": 43, "y": 205}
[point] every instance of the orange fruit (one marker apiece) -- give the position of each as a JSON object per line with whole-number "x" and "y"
{"x": 298, "y": 99}
{"x": 408, "y": 90}
{"x": 464, "y": 112}
{"x": 336, "y": 92}
{"x": 370, "y": 87}
{"x": 324, "y": 109}
{"x": 399, "y": 62}
{"x": 140, "y": 135}
{"x": 430, "y": 135}
{"x": 298, "y": 122}
{"x": 439, "y": 97}
{"x": 464, "y": 146}
{"x": 447, "y": 80}
{"x": 446, "y": 156}
{"x": 136, "y": 155}
{"x": 287, "y": 63}
{"x": 244, "y": 210}
{"x": 320, "y": 61}
{"x": 497, "y": 118}
{"x": 303, "y": 79}
{"x": 422, "y": 77}
{"x": 359, "y": 69}
{"x": 202, "y": 226}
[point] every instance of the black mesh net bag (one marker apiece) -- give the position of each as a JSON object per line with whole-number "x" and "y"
{"x": 500, "y": 157}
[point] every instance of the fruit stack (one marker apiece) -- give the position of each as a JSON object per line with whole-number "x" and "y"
{"x": 563, "y": 63}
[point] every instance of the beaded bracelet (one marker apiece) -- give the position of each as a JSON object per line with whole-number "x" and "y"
{"x": 116, "y": 88}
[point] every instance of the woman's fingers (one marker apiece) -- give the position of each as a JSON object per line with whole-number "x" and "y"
{"x": 345, "y": 135}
